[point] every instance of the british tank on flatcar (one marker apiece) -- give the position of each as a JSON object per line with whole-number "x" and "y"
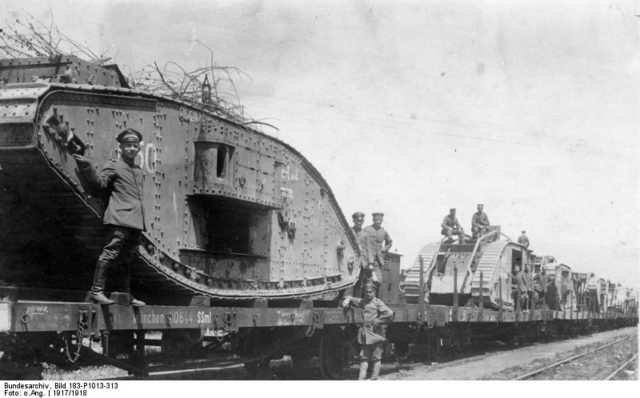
{"x": 232, "y": 213}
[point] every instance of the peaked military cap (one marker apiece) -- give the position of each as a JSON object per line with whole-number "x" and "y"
{"x": 357, "y": 214}
{"x": 129, "y": 135}
{"x": 377, "y": 214}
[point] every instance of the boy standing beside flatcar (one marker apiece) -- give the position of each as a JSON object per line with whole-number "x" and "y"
{"x": 371, "y": 334}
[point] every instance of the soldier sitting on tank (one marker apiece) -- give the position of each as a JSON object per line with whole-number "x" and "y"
{"x": 519, "y": 289}
{"x": 371, "y": 334}
{"x": 451, "y": 226}
{"x": 124, "y": 216}
{"x": 479, "y": 222}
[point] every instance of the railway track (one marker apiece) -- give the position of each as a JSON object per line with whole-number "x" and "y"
{"x": 555, "y": 365}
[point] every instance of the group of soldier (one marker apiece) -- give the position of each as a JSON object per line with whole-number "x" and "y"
{"x": 373, "y": 241}
{"x": 529, "y": 289}
{"x": 479, "y": 226}
{"x": 451, "y": 226}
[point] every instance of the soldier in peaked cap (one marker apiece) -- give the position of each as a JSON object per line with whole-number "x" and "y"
{"x": 129, "y": 135}
{"x": 124, "y": 216}
{"x": 479, "y": 222}
{"x": 358, "y": 220}
{"x": 374, "y": 238}
{"x": 371, "y": 334}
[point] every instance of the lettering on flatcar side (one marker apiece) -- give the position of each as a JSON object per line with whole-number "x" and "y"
{"x": 37, "y": 310}
{"x": 170, "y": 318}
{"x": 203, "y": 317}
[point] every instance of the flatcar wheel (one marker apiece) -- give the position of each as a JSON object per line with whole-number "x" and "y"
{"x": 333, "y": 355}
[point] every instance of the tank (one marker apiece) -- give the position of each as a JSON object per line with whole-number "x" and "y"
{"x": 483, "y": 268}
{"x": 231, "y": 213}
{"x": 560, "y": 292}
{"x": 580, "y": 289}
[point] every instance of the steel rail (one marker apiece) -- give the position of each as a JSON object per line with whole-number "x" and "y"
{"x": 572, "y": 358}
{"x": 624, "y": 365}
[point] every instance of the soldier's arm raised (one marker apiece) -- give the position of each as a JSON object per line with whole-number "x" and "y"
{"x": 89, "y": 170}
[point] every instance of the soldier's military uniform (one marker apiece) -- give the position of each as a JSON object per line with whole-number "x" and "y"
{"x": 523, "y": 239}
{"x": 479, "y": 222}
{"x": 451, "y": 226}
{"x": 124, "y": 216}
{"x": 360, "y": 262}
{"x": 375, "y": 242}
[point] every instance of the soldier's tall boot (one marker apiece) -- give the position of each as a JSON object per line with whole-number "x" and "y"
{"x": 126, "y": 284}
{"x": 99, "y": 278}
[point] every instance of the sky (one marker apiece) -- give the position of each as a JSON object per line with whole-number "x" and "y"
{"x": 413, "y": 107}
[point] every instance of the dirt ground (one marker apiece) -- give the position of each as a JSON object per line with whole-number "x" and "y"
{"x": 508, "y": 364}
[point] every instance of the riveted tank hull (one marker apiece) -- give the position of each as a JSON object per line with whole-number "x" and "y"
{"x": 471, "y": 273}
{"x": 231, "y": 213}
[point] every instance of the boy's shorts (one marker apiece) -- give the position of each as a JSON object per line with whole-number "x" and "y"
{"x": 371, "y": 353}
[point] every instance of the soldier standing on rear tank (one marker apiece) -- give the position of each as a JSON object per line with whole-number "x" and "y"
{"x": 371, "y": 334}
{"x": 523, "y": 239}
{"x": 374, "y": 238}
{"x": 124, "y": 216}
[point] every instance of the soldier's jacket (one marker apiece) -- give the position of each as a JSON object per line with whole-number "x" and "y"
{"x": 372, "y": 242}
{"x": 360, "y": 259}
{"x": 374, "y": 313}
{"x": 523, "y": 240}
{"x": 519, "y": 283}
{"x": 528, "y": 279}
{"x": 480, "y": 220}
{"x": 123, "y": 183}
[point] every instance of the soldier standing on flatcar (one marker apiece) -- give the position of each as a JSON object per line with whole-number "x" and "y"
{"x": 519, "y": 287}
{"x": 371, "y": 334}
{"x": 374, "y": 238}
{"x": 360, "y": 262}
{"x": 479, "y": 222}
{"x": 528, "y": 279}
{"x": 540, "y": 287}
{"x": 124, "y": 216}
{"x": 358, "y": 220}
{"x": 451, "y": 226}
